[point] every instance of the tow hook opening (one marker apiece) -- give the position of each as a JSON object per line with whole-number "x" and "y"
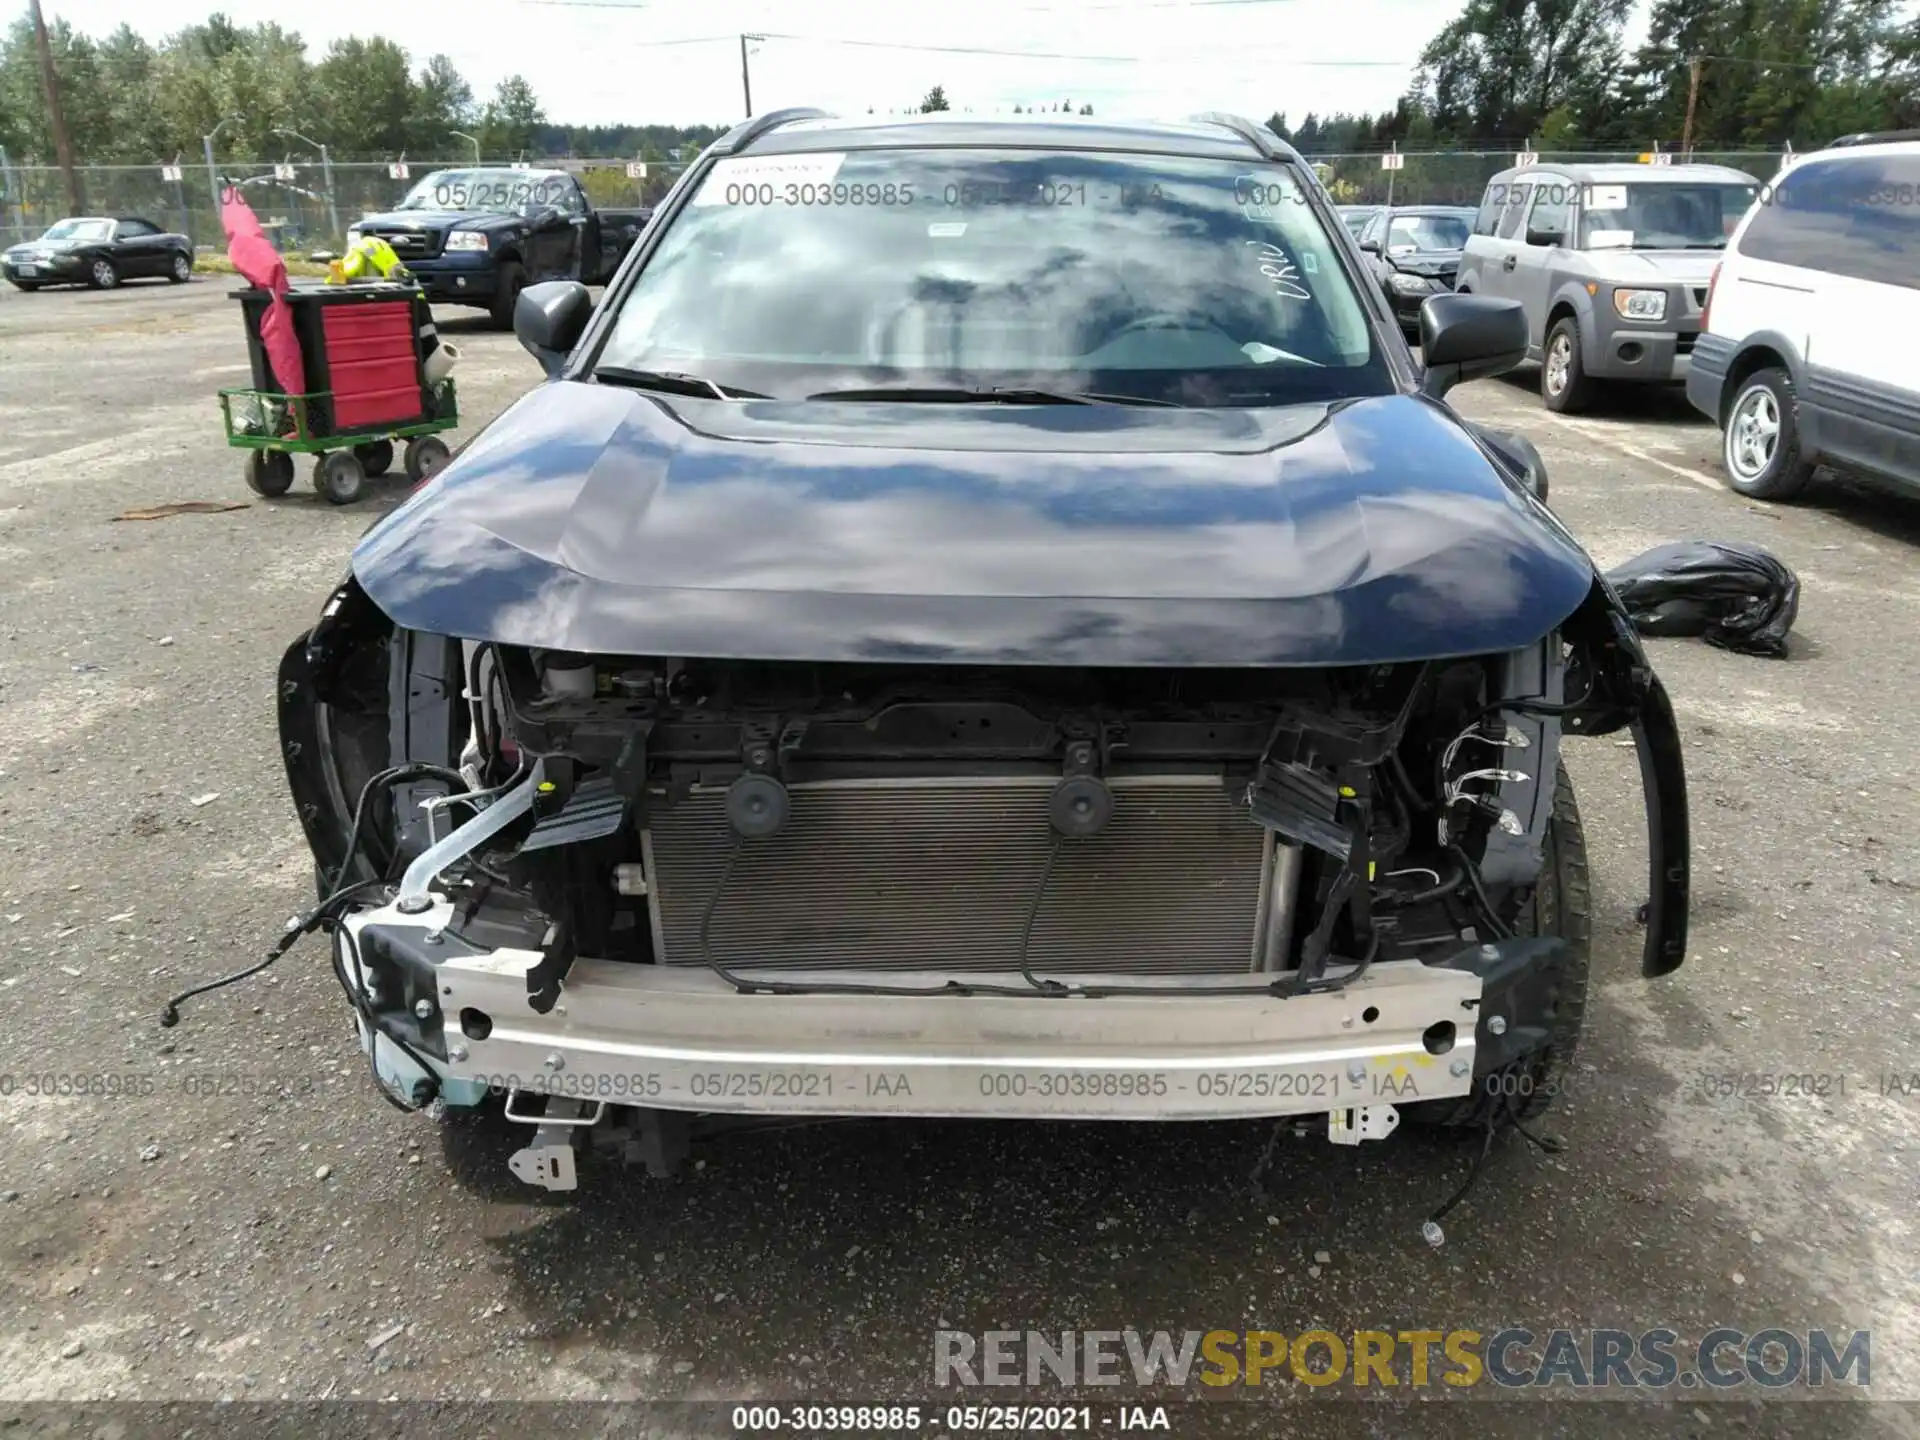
{"x": 1438, "y": 1037}
{"x": 475, "y": 1024}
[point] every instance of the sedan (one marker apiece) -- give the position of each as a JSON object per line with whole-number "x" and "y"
{"x": 99, "y": 252}
{"x": 1414, "y": 251}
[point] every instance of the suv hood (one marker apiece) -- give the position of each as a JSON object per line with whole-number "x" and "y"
{"x": 433, "y": 221}
{"x": 597, "y": 519}
{"x": 1427, "y": 262}
{"x": 1693, "y": 267}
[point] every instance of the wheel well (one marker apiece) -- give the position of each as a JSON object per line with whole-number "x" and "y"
{"x": 1745, "y": 365}
{"x": 1562, "y": 310}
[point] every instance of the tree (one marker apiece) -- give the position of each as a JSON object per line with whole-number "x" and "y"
{"x": 512, "y": 118}
{"x": 363, "y": 99}
{"x": 441, "y": 103}
{"x": 1502, "y": 66}
{"x": 936, "y": 100}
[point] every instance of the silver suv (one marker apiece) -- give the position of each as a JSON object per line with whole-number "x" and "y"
{"x": 1612, "y": 263}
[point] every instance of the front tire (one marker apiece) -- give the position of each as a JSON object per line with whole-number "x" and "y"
{"x": 101, "y": 274}
{"x": 269, "y": 472}
{"x": 506, "y": 295}
{"x": 1564, "y": 384}
{"x": 1562, "y": 907}
{"x": 424, "y": 457}
{"x": 181, "y": 270}
{"x": 1760, "y": 444}
{"x": 339, "y": 478}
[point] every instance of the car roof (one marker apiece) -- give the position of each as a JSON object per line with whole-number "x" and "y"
{"x": 1431, "y": 209}
{"x": 1204, "y": 138}
{"x": 1629, "y": 173}
{"x": 1864, "y": 147}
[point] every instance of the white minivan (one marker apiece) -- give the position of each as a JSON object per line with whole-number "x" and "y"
{"x": 1807, "y": 348}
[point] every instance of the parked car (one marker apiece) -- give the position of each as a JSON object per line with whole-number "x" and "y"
{"x": 478, "y": 237}
{"x": 1611, "y": 263}
{"x": 1355, "y": 217}
{"x": 1806, "y": 350}
{"x": 1414, "y": 251}
{"x": 940, "y": 647}
{"x": 99, "y": 251}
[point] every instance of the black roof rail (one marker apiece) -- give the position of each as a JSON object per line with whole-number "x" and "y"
{"x": 751, "y": 129}
{"x": 1874, "y": 137}
{"x": 1270, "y": 145}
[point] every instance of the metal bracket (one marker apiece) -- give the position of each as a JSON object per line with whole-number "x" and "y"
{"x": 549, "y": 1161}
{"x": 1362, "y": 1122}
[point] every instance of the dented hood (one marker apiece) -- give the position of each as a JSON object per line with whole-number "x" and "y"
{"x": 595, "y": 518}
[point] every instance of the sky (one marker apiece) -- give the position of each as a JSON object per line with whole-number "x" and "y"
{"x": 678, "y": 61}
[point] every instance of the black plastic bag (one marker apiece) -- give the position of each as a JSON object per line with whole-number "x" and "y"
{"x": 1732, "y": 595}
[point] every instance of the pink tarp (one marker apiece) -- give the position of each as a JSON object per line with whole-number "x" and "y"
{"x": 255, "y": 258}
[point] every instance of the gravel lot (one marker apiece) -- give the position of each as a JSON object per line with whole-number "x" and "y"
{"x": 180, "y": 1245}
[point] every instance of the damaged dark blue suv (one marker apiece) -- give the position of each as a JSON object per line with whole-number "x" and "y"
{"x": 983, "y": 619}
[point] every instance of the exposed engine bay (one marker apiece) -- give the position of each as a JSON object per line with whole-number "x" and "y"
{"x": 637, "y": 889}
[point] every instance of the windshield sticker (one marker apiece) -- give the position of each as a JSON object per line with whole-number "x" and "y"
{"x": 751, "y": 174}
{"x": 1610, "y": 239}
{"x": 1309, "y": 262}
{"x": 1263, "y": 354}
{"x": 1607, "y": 197}
{"x": 946, "y": 229}
{"x": 1278, "y": 267}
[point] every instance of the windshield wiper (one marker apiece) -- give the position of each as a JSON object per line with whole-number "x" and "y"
{"x": 676, "y": 381}
{"x": 989, "y": 395}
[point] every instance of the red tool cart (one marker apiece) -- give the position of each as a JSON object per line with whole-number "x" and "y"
{"x": 366, "y": 387}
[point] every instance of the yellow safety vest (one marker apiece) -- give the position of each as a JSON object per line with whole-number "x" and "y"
{"x": 371, "y": 253}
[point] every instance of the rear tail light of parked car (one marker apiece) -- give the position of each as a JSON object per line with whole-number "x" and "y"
{"x": 1706, "y": 305}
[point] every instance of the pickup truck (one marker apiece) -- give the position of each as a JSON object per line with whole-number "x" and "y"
{"x": 478, "y": 237}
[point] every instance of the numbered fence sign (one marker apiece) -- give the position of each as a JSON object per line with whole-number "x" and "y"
{"x": 398, "y": 171}
{"x": 284, "y": 172}
{"x": 169, "y": 172}
{"x": 1393, "y": 160}
{"x": 1526, "y": 158}
{"x": 636, "y": 169}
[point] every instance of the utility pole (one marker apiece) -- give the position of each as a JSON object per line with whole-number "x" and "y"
{"x": 56, "y": 118}
{"x": 1693, "y": 101}
{"x": 746, "y": 85}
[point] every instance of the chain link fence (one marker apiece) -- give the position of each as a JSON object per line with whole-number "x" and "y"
{"x": 309, "y": 207}
{"x": 306, "y": 206}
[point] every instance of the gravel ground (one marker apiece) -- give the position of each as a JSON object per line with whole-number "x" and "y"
{"x": 242, "y": 1217}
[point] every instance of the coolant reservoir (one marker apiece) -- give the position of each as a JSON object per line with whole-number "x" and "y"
{"x": 568, "y": 677}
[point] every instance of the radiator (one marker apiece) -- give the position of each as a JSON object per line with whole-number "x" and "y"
{"x": 941, "y": 874}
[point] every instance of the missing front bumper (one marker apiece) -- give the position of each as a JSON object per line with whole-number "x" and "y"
{"x": 658, "y": 1038}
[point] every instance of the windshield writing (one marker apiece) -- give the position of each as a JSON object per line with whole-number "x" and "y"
{"x": 1190, "y": 281}
{"x": 487, "y": 190}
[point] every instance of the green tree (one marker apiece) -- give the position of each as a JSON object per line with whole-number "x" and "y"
{"x": 936, "y": 99}
{"x": 441, "y": 103}
{"x": 512, "y": 120}
{"x": 1502, "y": 66}
{"x": 363, "y": 99}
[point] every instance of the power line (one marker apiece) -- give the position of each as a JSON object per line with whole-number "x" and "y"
{"x": 1207, "y": 59}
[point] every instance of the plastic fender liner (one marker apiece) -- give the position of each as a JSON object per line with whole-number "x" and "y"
{"x": 1663, "y": 779}
{"x": 1624, "y": 693}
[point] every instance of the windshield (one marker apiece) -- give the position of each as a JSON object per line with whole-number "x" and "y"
{"x": 1655, "y": 216}
{"x": 1356, "y": 220}
{"x": 1409, "y": 233}
{"x": 80, "y": 230}
{"x": 1191, "y": 281}
{"x": 496, "y": 190}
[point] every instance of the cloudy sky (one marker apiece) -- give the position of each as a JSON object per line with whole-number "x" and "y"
{"x": 614, "y": 61}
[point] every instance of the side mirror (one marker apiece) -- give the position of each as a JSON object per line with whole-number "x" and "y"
{"x": 1372, "y": 247}
{"x": 1545, "y": 237}
{"x": 548, "y": 320}
{"x": 1467, "y": 337}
